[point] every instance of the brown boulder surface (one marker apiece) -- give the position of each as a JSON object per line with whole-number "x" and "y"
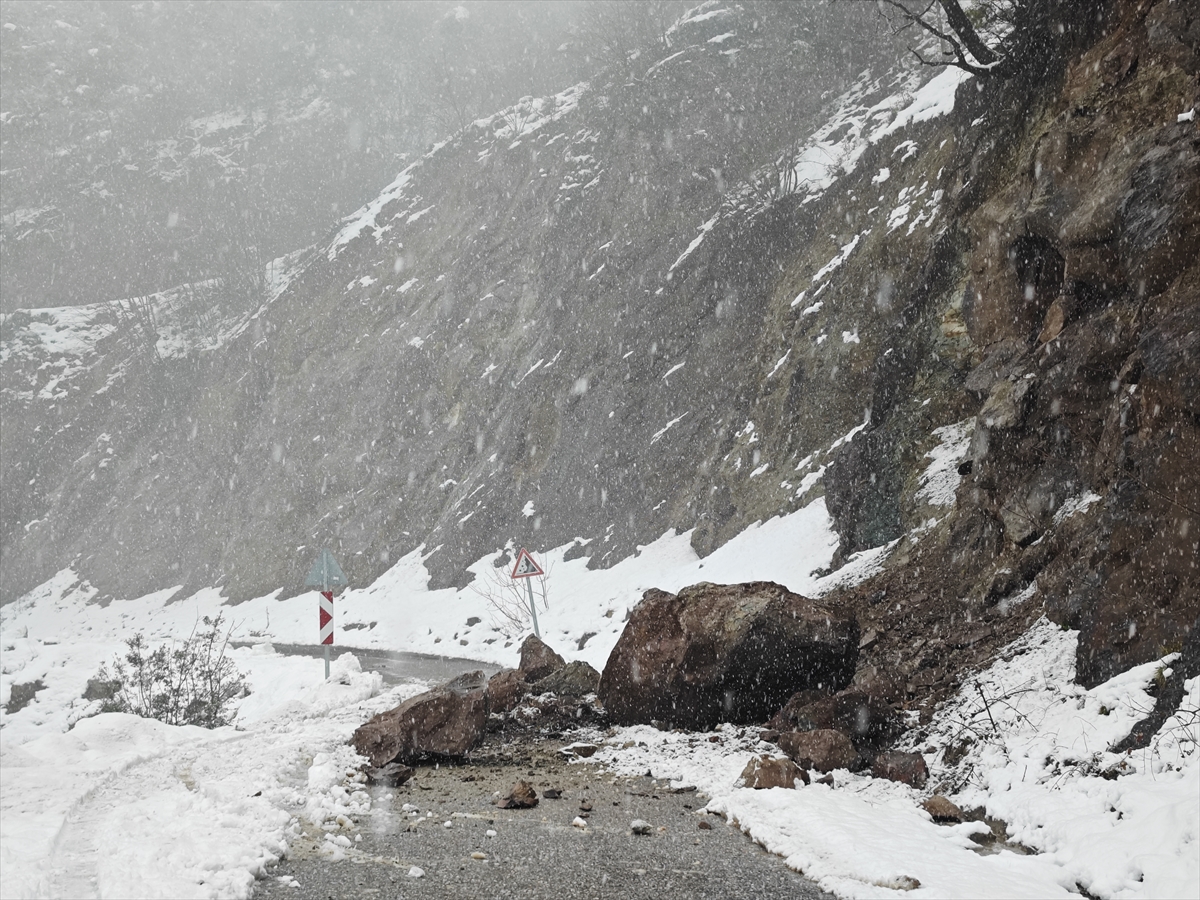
{"x": 441, "y": 722}
{"x": 767, "y": 772}
{"x": 538, "y": 660}
{"x": 822, "y": 749}
{"x": 906, "y": 768}
{"x": 575, "y": 679}
{"x": 504, "y": 690}
{"x": 522, "y": 796}
{"x": 724, "y": 653}
{"x": 942, "y": 810}
{"x": 862, "y": 715}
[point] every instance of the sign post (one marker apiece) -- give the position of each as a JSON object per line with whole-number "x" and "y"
{"x": 526, "y": 568}
{"x": 326, "y": 575}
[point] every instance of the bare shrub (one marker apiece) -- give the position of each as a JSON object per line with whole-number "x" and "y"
{"x": 508, "y": 599}
{"x": 137, "y": 320}
{"x": 192, "y": 683}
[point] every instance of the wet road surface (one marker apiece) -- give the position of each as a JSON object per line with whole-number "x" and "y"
{"x": 396, "y": 666}
{"x": 535, "y": 853}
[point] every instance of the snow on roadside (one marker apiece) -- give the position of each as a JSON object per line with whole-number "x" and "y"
{"x": 127, "y": 807}
{"x": 1119, "y": 825}
{"x": 1044, "y": 769}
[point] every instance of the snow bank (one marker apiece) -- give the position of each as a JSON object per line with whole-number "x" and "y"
{"x": 127, "y": 807}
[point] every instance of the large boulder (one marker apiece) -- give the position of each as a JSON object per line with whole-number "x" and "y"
{"x": 764, "y": 772}
{"x": 724, "y": 653}
{"x": 896, "y": 765}
{"x": 522, "y": 796}
{"x": 575, "y": 679}
{"x": 447, "y": 721}
{"x": 538, "y": 660}
{"x": 863, "y": 715}
{"x": 823, "y": 749}
{"x": 505, "y": 690}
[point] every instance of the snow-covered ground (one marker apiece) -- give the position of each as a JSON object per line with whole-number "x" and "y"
{"x": 121, "y": 806}
{"x": 98, "y": 806}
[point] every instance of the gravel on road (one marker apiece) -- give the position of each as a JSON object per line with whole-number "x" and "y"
{"x": 465, "y": 847}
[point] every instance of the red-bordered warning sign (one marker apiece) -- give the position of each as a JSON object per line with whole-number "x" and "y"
{"x": 525, "y": 566}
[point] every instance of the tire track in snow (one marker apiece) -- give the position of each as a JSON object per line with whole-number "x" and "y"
{"x": 184, "y": 823}
{"x": 74, "y": 860}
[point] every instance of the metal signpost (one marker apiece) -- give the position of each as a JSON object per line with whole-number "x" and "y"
{"x": 526, "y": 568}
{"x": 326, "y": 575}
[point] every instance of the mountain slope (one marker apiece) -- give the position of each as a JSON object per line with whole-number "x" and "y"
{"x": 366, "y": 385}
{"x": 695, "y": 293}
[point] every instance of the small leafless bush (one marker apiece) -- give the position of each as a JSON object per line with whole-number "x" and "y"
{"x": 192, "y": 683}
{"x": 780, "y": 179}
{"x": 508, "y": 599}
{"x": 517, "y": 116}
{"x": 137, "y": 320}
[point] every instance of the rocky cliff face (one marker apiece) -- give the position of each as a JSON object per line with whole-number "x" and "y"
{"x": 694, "y": 294}
{"x": 1074, "y": 294}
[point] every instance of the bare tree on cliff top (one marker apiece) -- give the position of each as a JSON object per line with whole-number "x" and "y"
{"x": 969, "y": 40}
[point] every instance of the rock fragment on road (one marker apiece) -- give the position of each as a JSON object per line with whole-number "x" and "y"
{"x": 522, "y": 796}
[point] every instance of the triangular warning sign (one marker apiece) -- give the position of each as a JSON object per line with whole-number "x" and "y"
{"x": 325, "y": 573}
{"x": 526, "y": 567}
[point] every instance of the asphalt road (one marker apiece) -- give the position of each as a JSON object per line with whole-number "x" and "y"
{"x": 395, "y": 666}
{"x": 535, "y": 853}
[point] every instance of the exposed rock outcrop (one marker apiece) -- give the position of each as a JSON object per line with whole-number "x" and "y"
{"x": 723, "y": 653}
{"x": 1076, "y": 279}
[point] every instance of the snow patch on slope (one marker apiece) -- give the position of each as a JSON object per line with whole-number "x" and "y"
{"x": 941, "y": 479}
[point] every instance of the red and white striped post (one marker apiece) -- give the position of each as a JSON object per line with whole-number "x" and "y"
{"x": 326, "y": 614}
{"x": 325, "y": 575}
